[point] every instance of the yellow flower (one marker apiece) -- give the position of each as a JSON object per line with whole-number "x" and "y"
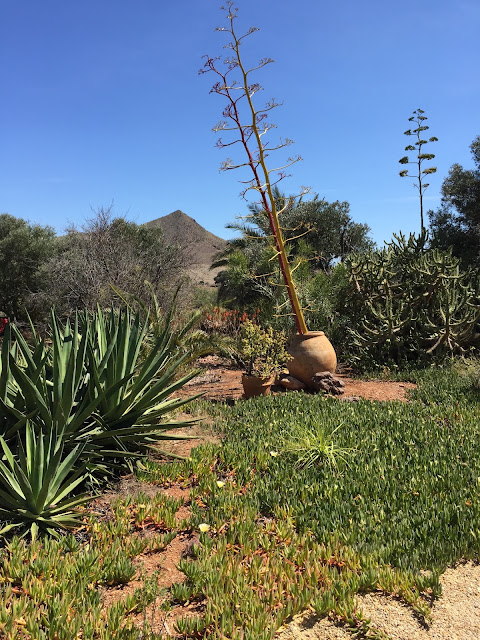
{"x": 220, "y": 483}
{"x": 204, "y": 527}
{"x": 274, "y": 454}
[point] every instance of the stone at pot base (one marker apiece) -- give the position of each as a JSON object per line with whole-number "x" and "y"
{"x": 325, "y": 381}
{"x": 291, "y": 384}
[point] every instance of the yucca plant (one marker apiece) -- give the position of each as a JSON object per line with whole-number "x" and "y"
{"x": 35, "y": 485}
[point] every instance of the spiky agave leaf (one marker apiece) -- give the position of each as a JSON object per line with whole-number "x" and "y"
{"x": 37, "y": 487}
{"x": 90, "y": 383}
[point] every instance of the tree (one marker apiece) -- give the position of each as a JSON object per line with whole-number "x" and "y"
{"x": 24, "y": 248}
{"x": 320, "y": 231}
{"x": 418, "y": 118}
{"x": 110, "y": 251}
{"x": 319, "y": 234}
{"x": 456, "y": 223}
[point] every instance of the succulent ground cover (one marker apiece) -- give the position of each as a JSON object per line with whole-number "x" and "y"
{"x": 51, "y": 587}
{"x": 400, "y": 502}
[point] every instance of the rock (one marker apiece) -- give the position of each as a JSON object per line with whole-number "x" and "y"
{"x": 323, "y": 374}
{"x": 191, "y": 548}
{"x": 291, "y": 383}
{"x": 326, "y": 381}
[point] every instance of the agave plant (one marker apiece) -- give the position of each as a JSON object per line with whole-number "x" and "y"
{"x": 88, "y": 384}
{"x": 135, "y": 396}
{"x": 35, "y": 488}
{"x": 187, "y": 336}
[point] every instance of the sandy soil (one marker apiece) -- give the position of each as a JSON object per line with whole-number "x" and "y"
{"x": 221, "y": 383}
{"x": 455, "y": 616}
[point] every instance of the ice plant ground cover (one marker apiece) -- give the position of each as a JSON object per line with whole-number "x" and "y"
{"x": 399, "y": 504}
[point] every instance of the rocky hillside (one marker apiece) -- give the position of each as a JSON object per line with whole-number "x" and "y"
{"x": 199, "y": 244}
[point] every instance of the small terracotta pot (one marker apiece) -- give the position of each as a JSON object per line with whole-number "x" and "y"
{"x": 312, "y": 352}
{"x": 254, "y": 386}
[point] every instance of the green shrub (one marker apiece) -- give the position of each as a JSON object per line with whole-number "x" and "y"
{"x": 260, "y": 352}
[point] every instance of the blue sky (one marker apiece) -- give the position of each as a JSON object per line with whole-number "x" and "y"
{"x": 101, "y": 101}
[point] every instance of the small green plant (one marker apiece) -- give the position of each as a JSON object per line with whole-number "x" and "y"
{"x": 190, "y": 626}
{"x": 261, "y": 352}
{"x": 418, "y": 118}
{"x": 314, "y": 444}
{"x": 118, "y": 570}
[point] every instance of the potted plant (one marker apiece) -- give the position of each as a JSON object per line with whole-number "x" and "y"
{"x": 262, "y": 354}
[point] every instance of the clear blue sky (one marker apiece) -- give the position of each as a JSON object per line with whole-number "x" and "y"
{"x": 101, "y": 101}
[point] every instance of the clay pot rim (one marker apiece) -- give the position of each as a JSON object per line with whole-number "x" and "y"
{"x": 310, "y": 334}
{"x": 266, "y": 380}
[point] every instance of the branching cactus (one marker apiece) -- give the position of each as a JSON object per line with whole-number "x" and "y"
{"x": 410, "y": 303}
{"x": 250, "y": 127}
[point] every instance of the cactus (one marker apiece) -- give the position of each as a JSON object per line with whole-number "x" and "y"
{"x": 411, "y": 303}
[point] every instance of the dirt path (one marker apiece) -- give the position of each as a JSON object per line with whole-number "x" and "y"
{"x": 455, "y": 615}
{"x": 220, "y": 383}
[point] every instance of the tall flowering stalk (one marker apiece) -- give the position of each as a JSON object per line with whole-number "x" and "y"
{"x": 419, "y": 175}
{"x": 251, "y": 124}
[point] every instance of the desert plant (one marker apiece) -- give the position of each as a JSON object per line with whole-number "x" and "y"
{"x": 35, "y": 489}
{"x": 251, "y": 129}
{"x": 88, "y": 384}
{"x": 411, "y": 304}
{"x": 418, "y": 118}
{"x": 260, "y": 352}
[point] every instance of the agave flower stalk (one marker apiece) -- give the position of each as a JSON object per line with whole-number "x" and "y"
{"x": 420, "y": 174}
{"x": 251, "y": 128}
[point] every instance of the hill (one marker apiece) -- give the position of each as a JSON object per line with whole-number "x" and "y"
{"x": 199, "y": 244}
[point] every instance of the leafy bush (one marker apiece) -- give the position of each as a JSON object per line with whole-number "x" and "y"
{"x": 24, "y": 248}
{"x": 260, "y": 352}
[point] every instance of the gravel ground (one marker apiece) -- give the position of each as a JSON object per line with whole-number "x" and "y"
{"x": 455, "y": 616}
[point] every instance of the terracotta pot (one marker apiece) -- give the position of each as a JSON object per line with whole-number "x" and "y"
{"x": 312, "y": 352}
{"x": 254, "y": 386}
